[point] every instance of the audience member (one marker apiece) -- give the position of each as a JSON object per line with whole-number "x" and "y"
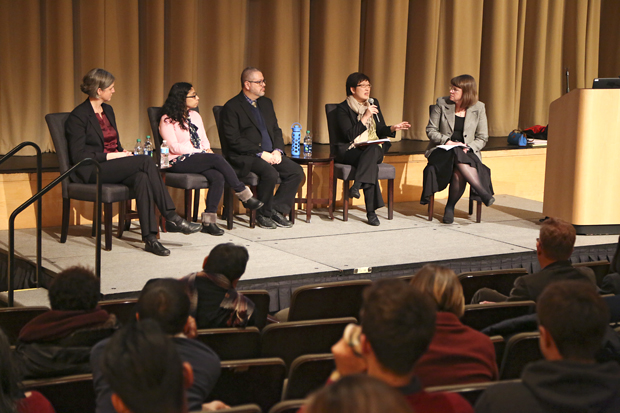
{"x": 358, "y": 393}
{"x": 12, "y": 398}
{"x": 553, "y": 250}
{"x": 144, "y": 371}
{"x": 572, "y": 322}
{"x": 215, "y": 300}
{"x": 46, "y": 345}
{"x": 457, "y": 354}
{"x": 166, "y": 301}
{"x": 398, "y": 323}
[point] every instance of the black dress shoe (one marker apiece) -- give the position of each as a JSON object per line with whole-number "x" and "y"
{"x": 354, "y": 192}
{"x": 281, "y": 220}
{"x": 212, "y": 229}
{"x": 265, "y": 222}
{"x": 448, "y": 216}
{"x": 252, "y": 203}
{"x": 373, "y": 220}
{"x": 489, "y": 202}
{"x": 156, "y": 248}
{"x": 183, "y": 226}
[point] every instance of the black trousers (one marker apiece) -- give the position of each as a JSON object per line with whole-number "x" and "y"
{"x": 488, "y": 294}
{"x": 141, "y": 175}
{"x": 291, "y": 175}
{"x": 365, "y": 159}
{"x": 217, "y": 171}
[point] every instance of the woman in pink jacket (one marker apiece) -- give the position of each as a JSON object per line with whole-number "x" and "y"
{"x": 190, "y": 152}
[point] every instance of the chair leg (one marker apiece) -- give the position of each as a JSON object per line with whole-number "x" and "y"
{"x": 228, "y": 207}
{"x": 431, "y": 207}
{"x": 390, "y": 199}
{"x": 345, "y": 200}
{"x": 253, "y": 211}
{"x": 107, "y": 226}
{"x": 127, "y": 220}
{"x": 471, "y": 204}
{"x": 196, "y": 204}
{"x": 188, "y": 205}
{"x": 66, "y": 210}
{"x": 478, "y": 211}
{"x": 122, "y": 206}
{"x": 94, "y": 228}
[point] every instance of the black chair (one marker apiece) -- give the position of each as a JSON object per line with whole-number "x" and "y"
{"x": 307, "y": 374}
{"x": 600, "y": 268}
{"x": 69, "y": 394}
{"x": 288, "y": 406}
{"x": 431, "y": 206}
{"x": 327, "y": 300}
{"x": 124, "y": 309}
{"x": 12, "y": 319}
{"x": 250, "y": 381}
{"x": 347, "y": 172}
{"x": 521, "y": 349}
{"x": 232, "y": 343}
{"x": 292, "y": 339}
{"x": 110, "y": 193}
{"x": 499, "y": 344}
{"x": 261, "y": 301}
{"x": 480, "y": 316}
{"x": 188, "y": 182}
{"x": 500, "y": 280}
{"x": 470, "y": 392}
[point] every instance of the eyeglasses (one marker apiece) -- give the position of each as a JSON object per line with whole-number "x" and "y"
{"x": 365, "y": 86}
{"x": 258, "y": 82}
{"x": 192, "y": 96}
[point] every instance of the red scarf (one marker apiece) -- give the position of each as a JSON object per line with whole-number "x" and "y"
{"x": 56, "y": 324}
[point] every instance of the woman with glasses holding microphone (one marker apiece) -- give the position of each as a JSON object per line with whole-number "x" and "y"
{"x": 359, "y": 123}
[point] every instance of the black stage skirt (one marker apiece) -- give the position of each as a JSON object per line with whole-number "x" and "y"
{"x": 438, "y": 171}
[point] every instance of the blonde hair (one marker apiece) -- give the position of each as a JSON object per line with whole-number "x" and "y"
{"x": 467, "y": 84}
{"x": 442, "y": 284}
{"x": 96, "y": 79}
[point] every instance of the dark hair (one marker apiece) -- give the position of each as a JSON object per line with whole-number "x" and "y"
{"x": 467, "y": 84}
{"x": 227, "y": 259}
{"x": 358, "y": 393}
{"x": 96, "y": 79}
{"x": 9, "y": 377}
{"x": 557, "y": 238}
{"x": 576, "y": 317}
{"x": 166, "y": 301}
{"x": 354, "y": 79}
{"x": 175, "y": 105}
{"x": 74, "y": 289}
{"x": 144, "y": 369}
{"x": 399, "y": 323}
{"x": 245, "y": 75}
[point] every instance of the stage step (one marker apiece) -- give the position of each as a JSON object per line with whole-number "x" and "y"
{"x": 26, "y": 298}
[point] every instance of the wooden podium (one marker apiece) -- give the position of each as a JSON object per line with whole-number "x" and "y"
{"x": 582, "y": 178}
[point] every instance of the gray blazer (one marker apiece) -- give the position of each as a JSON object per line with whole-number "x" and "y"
{"x": 441, "y": 126}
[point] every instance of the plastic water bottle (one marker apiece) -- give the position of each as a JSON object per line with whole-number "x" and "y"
{"x": 138, "y": 150}
{"x": 308, "y": 145}
{"x": 165, "y": 162}
{"x": 148, "y": 146}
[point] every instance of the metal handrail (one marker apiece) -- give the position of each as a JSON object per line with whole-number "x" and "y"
{"x": 37, "y": 197}
{"x": 39, "y": 212}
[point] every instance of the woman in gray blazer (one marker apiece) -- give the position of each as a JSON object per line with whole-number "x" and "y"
{"x": 457, "y": 130}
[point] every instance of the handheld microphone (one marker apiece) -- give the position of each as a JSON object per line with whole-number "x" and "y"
{"x": 372, "y": 102}
{"x": 567, "y": 82}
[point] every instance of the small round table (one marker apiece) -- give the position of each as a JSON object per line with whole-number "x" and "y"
{"x": 309, "y": 200}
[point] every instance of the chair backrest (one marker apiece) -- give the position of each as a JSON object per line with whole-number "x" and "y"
{"x": 499, "y": 344}
{"x": 500, "y": 280}
{"x": 261, "y": 300}
{"x": 327, "y": 300}
{"x": 469, "y": 392}
{"x": 480, "y": 316}
{"x": 12, "y": 319}
{"x": 292, "y": 339}
{"x": 217, "y": 111}
{"x": 123, "y": 309}
{"x": 154, "y": 117}
{"x": 256, "y": 381}
{"x": 332, "y": 124}
{"x": 56, "y": 126}
{"x": 600, "y": 268}
{"x": 521, "y": 349}
{"x": 288, "y": 406}
{"x": 308, "y": 373}
{"x": 232, "y": 343}
{"x": 69, "y": 394}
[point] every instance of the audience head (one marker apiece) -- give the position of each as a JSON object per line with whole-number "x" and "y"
{"x": 144, "y": 370}
{"x": 358, "y": 393}
{"x": 166, "y": 301}
{"x": 442, "y": 285}
{"x": 227, "y": 259}
{"x": 9, "y": 377}
{"x": 74, "y": 289}
{"x": 556, "y": 239}
{"x": 575, "y": 317}
{"x": 398, "y": 322}
{"x": 355, "y": 79}
{"x": 467, "y": 84}
{"x": 94, "y": 80}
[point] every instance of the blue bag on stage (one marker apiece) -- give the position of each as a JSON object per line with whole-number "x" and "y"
{"x": 516, "y": 137}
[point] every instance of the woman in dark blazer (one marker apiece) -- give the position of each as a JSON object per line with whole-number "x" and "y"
{"x": 360, "y": 120}
{"x": 458, "y": 123}
{"x": 91, "y": 133}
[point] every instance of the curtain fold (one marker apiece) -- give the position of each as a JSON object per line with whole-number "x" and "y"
{"x": 517, "y": 50}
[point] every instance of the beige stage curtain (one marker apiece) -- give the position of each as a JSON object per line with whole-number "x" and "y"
{"x": 517, "y": 50}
